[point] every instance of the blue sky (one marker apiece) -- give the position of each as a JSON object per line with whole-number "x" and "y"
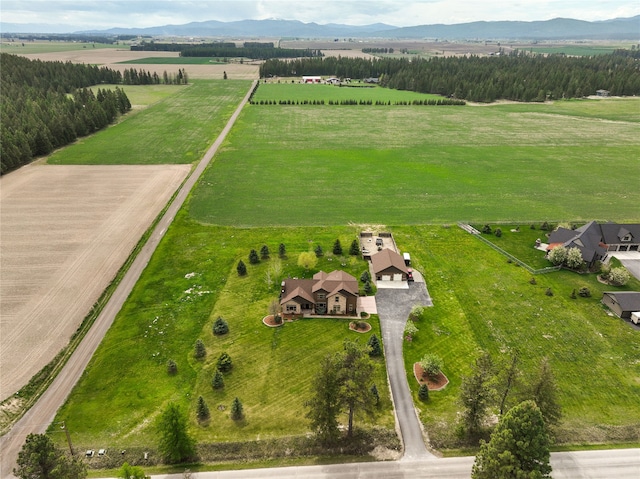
{"x": 98, "y": 14}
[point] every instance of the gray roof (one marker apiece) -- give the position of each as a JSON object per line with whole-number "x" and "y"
{"x": 587, "y": 238}
{"x": 612, "y": 233}
{"x": 628, "y": 300}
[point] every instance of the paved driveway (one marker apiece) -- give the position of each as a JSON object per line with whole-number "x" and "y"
{"x": 394, "y": 306}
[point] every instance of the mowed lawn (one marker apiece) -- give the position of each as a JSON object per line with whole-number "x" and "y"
{"x": 189, "y": 283}
{"x": 176, "y": 129}
{"x": 324, "y": 165}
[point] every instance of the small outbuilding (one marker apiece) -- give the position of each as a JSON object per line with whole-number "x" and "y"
{"x": 622, "y": 303}
{"x": 388, "y": 266}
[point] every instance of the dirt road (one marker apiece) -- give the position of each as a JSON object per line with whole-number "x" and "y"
{"x": 42, "y": 413}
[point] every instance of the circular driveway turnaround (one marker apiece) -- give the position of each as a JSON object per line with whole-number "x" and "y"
{"x": 38, "y": 418}
{"x": 394, "y": 306}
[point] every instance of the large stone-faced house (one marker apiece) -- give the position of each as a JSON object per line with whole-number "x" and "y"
{"x": 335, "y": 293}
{"x": 622, "y": 303}
{"x": 388, "y": 266}
{"x": 594, "y": 240}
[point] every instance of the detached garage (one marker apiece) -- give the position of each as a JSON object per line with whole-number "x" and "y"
{"x": 388, "y": 266}
{"x": 622, "y": 303}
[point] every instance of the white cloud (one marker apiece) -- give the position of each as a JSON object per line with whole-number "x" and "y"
{"x": 146, "y": 13}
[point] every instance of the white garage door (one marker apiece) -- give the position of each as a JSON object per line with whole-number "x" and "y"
{"x": 386, "y": 277}
{"x": 397, "y": 277}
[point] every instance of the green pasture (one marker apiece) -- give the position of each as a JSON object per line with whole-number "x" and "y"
{"x": 176, "y": 129}
{"x": 174, "y": 61}
{"x": 142, "y": 96}
{"x": 575, "y": 50}
{"x": 292, "y": 89}
{"x": 18, "y": 48}
{"x": 285, "y": 165}
{"x": 481, "y": 302}
{"x": 190, "y": 281}
{"x": 484, "y": 303}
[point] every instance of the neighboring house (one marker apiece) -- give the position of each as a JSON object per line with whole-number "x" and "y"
{"x": 594, "y": 239}
{"x": 602, "y": 92}
{"x": 388, "y": 266}
{"x": 311, "y": 79}
{"x": 622, "y": 303}
{"x": 335, "y": 293}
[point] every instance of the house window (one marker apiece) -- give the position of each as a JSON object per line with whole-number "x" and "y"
{"x": 337, "y": 299}
{"x": 351, "y": 308}
{"x": 321, "y": 295}
{"x": 627, "y": 238}
{"x": 291, "y": 308}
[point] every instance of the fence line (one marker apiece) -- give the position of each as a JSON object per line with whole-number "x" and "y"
{"x": 471, "y": 230}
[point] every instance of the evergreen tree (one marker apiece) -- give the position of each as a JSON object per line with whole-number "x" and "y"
{"x": 237, "y": 412}
{"x": 131, "y": 472}
{"x": 337, "y": 247}
{"x": 375, "y": 394}
{"x": 39, "y": 458}
{"x": 356, "y": 372}
{"x": 368, "y": 288}
{"x": 242, "y": 268}
{"x": 423, "y": 392}
{"x": 375, "y": 346}
{"x": 318, "y": 251}
{"x": 476, "y": 395}
{"x": 282, "y": 250}
{"x": 365, "y": 276}
{"x": 507, "y": 379}
{"x": 264, "y": 252}
{"x": 199, "y": 350}
{"x": 519, "y": 447}
{"x": 324, "y": 405}
{"x": 218, "y": 380}
{"x": 544, "y": 391}
{"x": 203, "y": 410}
{"x": 172, "y": 367}
{"x": 220, "y": 326}
{"x": 253, "y": 257}
{"x": 224, "y": 363}
{"x": 354, "y": 249}
{"x": 174, "y": 444}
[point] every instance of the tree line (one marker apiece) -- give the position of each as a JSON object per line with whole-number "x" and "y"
{"x": 46, "y": 105}
{"x": 518, "y": 76}
{"x": 377, "y": 50}
{"x": 256, "y": 50}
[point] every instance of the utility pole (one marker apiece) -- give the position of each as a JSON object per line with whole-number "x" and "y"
{"x": 66, "y": 430}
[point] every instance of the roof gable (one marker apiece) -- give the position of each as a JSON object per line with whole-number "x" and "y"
{"x": 387, "y": 258}
{"x": 628, "y": 300}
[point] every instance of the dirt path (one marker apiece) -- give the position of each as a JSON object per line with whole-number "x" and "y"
{"x": 42, "y": 413}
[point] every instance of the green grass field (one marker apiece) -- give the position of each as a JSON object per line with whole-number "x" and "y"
{"x": 21, "y": 48}
{"x": 174, "y": 61}
{"x": 304, "y": 175}
{"x": 425, "y": 165}
{"x": 190, "y": 282}
{"x": 576, "y": 50}
{"x": 287, "y": 90}
{"x": 177, "y": 129}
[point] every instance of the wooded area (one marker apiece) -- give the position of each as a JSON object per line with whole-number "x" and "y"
{"x": 254, "y": 50}
{"x": 518, "y": 76}
{"x": 46, "y": 105}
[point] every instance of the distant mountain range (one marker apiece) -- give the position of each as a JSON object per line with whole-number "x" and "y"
{"x": 556, "y": 29}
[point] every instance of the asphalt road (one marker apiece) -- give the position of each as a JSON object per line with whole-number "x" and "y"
{"x": 38, "y": 418}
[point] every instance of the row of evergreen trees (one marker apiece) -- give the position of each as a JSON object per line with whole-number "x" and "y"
{"x": 430, "y": 102}
{"x": 255, "y": 50}
{"x": 518, "y": 76}
{"x": 46, "y": 105}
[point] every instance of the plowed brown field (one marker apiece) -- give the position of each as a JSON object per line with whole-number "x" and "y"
{"x": 64, "y": 233}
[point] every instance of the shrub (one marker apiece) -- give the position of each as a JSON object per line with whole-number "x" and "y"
{"x": 264, "y": 252}
{"x": 619, "y": 276}
{"x": 199, "y": 350}
{"x": 318, "y": 251}
{"x": 236, "y": 410}
{"x": 431, "y": 365}
{"x": 365, "y": 276}
{"x": 416, "y": 313}
{"x": 533, "y": 280}
{"x": 375, "y": 393}
{"x": 573, "y": 294}
{"x": 423, "y": 392}
{"x": 585, "y": 292}
{"x": 558, "y": 255}
{"x": 375, "y": 346}
{"x": 242, "y": 268}
{"x": 172, "y": 367}
{"x": 574, "y": 258}
{"x": 282, "y": 250}
{"x": 548, "y": 292}
{"x": 545, "y": 226}
{"x": 605, "y": 271}
{"x": 367, "y": 287}
{"x": 410, "y": 330}
{"x": 224, "y": 363}
{"x": 486, "y": 229}
{"x": 532, "y": 226}
{"x": 253, "y": 257}
{"x": 498, "y": 232}
{"x": 220, "y": 326}
{"x": 218, "y": 380}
